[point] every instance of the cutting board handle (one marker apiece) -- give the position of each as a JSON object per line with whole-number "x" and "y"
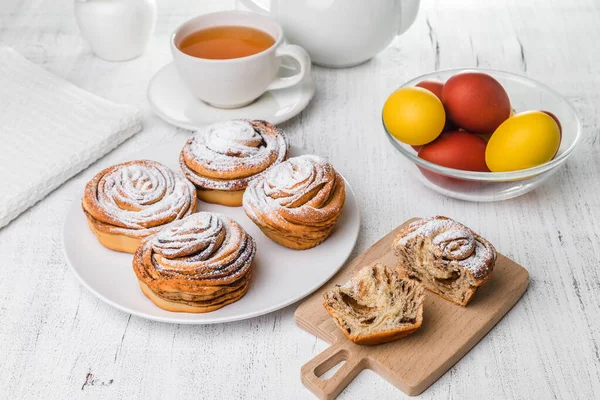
{"x": 330, "y": 388}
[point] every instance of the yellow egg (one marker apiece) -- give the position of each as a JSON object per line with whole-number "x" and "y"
{"x": 523, "y": 141}
{"x": 414, "y": 115}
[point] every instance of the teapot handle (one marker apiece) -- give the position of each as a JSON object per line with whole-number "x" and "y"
{"x": 257, "y": 8}
{"x": 409, "y": 11}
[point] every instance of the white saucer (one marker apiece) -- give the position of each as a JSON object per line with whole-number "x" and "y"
{"x": 173, "y": 102}
{"x": 280, "y": 276}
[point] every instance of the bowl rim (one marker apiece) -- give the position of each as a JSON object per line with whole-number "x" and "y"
{"x": 488, "y": 176}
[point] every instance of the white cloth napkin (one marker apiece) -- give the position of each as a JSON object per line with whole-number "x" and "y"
{"x": 49, "y": 131}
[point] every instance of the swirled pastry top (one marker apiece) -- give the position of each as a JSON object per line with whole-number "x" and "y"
{"x": 137, "y": 198}
{"x": 452, "y": 242}
{"x": 195, "y": 254}
{"x": 227, "y": 155}
{"x": 303, "y": 190}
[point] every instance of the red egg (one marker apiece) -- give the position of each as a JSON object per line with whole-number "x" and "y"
{"x": 475, "y": 102}
{"x": 433, "y": 86}
{"x": 453, "y": 184}
{"x": 456, "y": 149}
{"x": 436, "y": 87}
{"x": 555, "y": 118}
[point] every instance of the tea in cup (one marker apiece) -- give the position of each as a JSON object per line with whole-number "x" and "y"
{"x": 229, "y": 59}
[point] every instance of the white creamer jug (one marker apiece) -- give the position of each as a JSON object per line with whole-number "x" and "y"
{"x": 117, "y": 30}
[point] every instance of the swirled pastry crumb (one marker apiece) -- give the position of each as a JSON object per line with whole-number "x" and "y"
{"x": 449, "y": 258}
{"x": 376, "y": 305}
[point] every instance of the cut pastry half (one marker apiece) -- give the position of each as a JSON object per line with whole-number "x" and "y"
{"x": 376, "y": 305}
{"x": 446, "y": 256}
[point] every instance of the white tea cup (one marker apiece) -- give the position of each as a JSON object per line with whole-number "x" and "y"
{"x": 236, "y": 82}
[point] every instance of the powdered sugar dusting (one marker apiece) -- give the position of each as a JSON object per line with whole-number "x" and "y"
{"x": 228, "y": 142}
{"x": 299, "y": 171}
{"x": 454, "y": 242}
{"x": 227, "y": 155}
{"x": 139, "y": 195}
{"x": 189, "y": 236}
{"x": 299, "y": 189}
{"x": 202, "y": 246}
{"x": 476, "y": 263}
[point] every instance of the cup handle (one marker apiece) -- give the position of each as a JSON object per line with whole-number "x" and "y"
{"x": 300, "y": 55}
{"x": 408, "y": 13}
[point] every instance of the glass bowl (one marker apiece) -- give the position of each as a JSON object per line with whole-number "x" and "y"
{"x": 525, "y": 94}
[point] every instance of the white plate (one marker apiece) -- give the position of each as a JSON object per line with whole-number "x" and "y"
{"x": 280, "y": 276}
{"x": 173, "y": 102}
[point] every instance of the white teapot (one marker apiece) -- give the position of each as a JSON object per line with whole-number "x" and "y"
{"x": 340, "y": 33}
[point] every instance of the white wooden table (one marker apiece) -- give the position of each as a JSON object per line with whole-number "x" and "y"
{"x": 58, "y": 341}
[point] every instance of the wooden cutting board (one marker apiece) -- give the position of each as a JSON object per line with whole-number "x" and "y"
{"x": 413, "y": 363}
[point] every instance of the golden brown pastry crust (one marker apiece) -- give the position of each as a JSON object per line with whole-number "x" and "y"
{"x": 230, "y": 198}
{"x": 298, "y": 202}
{"x": 447, "y": 257}
{"x": 223, "y": 157}
{"x": 129, "y": 201}
{"x": 198, "y": 264}
{"x": 113, "y": 241}
{"x": 376, "y": 305}
{"x": 185, "y": 307}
